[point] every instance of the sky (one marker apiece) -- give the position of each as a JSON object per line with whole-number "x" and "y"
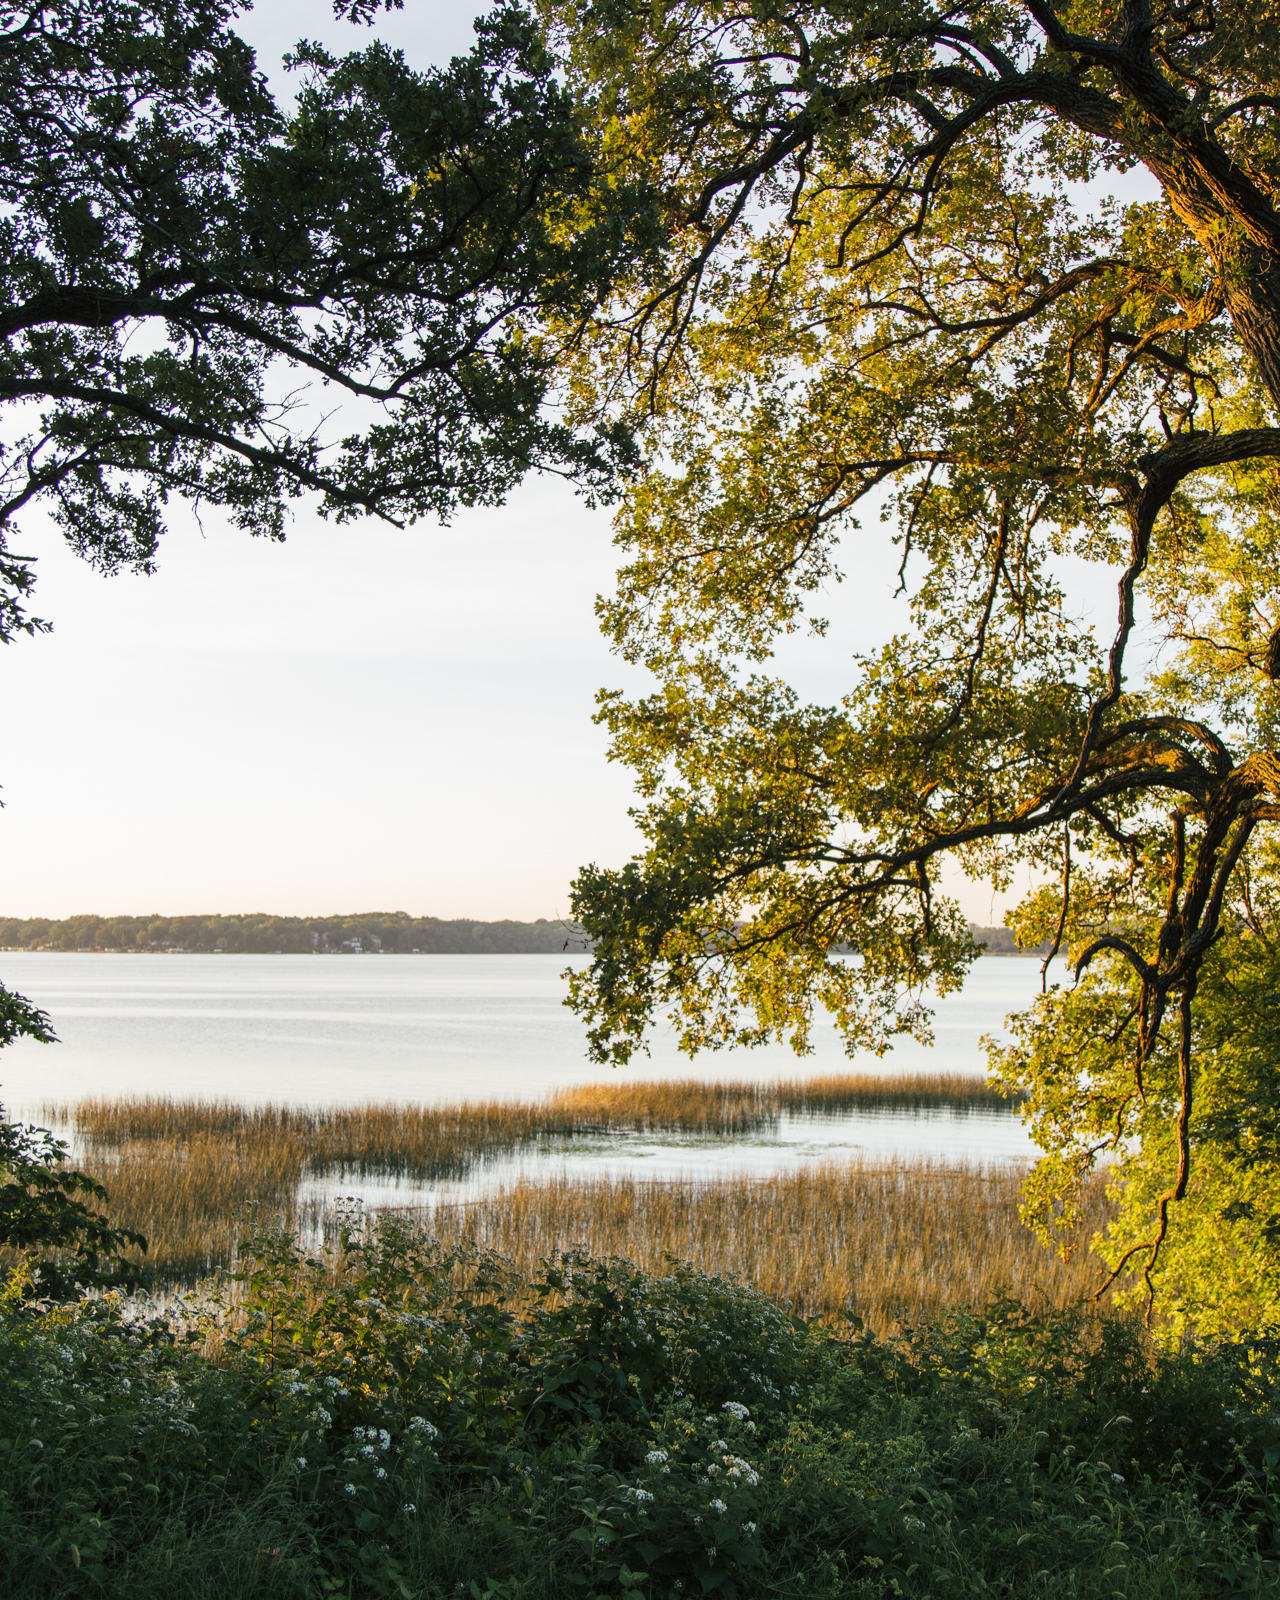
{"x": 360, "y": 718}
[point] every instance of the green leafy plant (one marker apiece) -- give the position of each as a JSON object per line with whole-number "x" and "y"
{"x": 227, "y": 1445}
{"x": 45, "y": 1213}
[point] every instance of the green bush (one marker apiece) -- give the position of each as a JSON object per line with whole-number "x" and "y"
{"x": 391, "y": 1419}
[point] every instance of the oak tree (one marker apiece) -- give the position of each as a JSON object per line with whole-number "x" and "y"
{"x": 1008, "y": 275}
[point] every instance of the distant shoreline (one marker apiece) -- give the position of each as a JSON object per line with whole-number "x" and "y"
{"x": 261, "y": 933}
{"x": 362, "y": 933}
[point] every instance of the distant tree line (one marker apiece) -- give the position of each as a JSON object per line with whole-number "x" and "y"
{"x": 1000, "y": 942}
{"x": 386, "y": 932}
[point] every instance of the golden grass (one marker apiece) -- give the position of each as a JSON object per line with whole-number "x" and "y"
{"x": 911, "y": 1238}
{"x": 875, "y": 1239}
{"x": 690, "y": 1105}
{"x": 194, "y": 1200}
{"x": 434, "y": 1142}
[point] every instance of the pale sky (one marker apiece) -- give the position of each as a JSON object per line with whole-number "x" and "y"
{"x": 358, "y": 719}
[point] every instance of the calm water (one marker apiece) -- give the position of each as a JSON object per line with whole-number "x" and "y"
{"x": 338, "y": 1029}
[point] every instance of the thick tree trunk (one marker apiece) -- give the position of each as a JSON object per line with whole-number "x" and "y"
{"x": 1252, "y": 286}
{"x": 1249, "y": 273}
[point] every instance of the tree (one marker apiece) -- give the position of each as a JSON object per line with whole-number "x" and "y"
{"x": 186, "y": 267}
{"x": 1008, "y": 274}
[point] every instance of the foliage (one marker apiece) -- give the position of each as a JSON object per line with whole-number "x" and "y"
{"x": 401, "y": 1421}
{"x": 187, "y": 266}
{"x": 262, "y": 933}
{"x": 19, "y": 1019}
{"x": 1004, "y": 278}
{"x": 43, "y": 1204}
{"x": 1218, "y": 1268}
{"x": 46, "y": 1213}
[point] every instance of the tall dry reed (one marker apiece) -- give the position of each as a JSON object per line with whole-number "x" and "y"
{"x": 194, "y": 1200}
{"x": 193, "y": 1176}
{"x": 911, "y": 1238}
{"x": 432, "y": 1142}
{"x": 876, "y": 1240}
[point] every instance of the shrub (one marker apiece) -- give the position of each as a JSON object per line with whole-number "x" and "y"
{"x": 390, "y": 1418}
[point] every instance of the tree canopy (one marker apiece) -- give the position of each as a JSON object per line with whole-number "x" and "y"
{"x": 259, "y": 933}
{"x": 1005, "y": 276}
{"x": 192, "y": 278}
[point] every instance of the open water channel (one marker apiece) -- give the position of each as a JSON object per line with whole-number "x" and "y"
{"x": 330, "y": 1030}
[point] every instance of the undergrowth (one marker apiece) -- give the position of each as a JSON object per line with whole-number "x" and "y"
{"x": 397, "y": 1419}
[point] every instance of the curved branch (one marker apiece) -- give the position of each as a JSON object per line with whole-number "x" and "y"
{"x": 1111, "y": 941}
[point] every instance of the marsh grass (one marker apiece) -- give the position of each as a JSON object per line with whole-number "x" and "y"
{"x": 428, "y": 1143}
{"x": 875, "y": 1240}
{"x": 195, "y": 1200}
{"x": 911, "y": 1239}
{"x": 188, "y": 1174}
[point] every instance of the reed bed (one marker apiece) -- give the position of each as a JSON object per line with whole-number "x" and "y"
{"x": 879, "y": 1240}
{"x": 193, "y": 1177}
{"x": 909, "y": 1240}
{"x": 194, "y": 1200}
{"x": 428, "y": 1143}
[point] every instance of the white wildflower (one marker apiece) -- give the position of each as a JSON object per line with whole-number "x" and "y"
{"x": 718, "y": 1506}
{"x": 380, "y": 1472}
{"x": 408, "y": 1508}
{"x": 1119, "y": 1478}
{"x": 349, "y": 1488}
{"x": 301, "y": 1461}
{"x": 655, "y": 1458}
{"x": 736, "y": 1410}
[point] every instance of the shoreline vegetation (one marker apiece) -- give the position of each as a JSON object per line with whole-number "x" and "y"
{"x": 388, "y": 1418}
{"x": 260, "y": 933}
{"x": 880, "y": 1239}
{"x": 844, "y": 1382}
{"x": 359, "y": 933}
{"x": 847, "y": 1382}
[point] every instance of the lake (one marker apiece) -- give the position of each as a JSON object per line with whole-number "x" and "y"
{"x": 326, "y": 1030}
